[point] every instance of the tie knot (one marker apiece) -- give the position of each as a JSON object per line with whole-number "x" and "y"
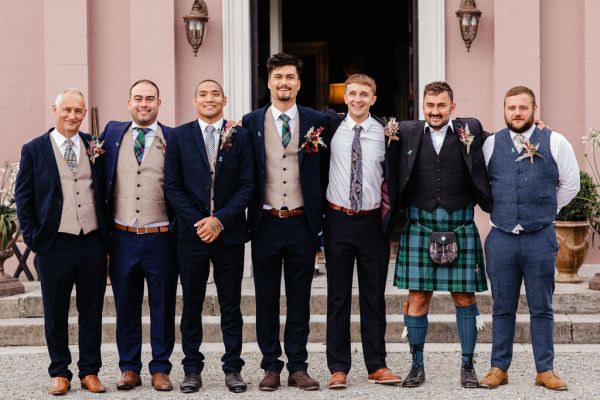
{"x": 357, "y": 129}
{"x": 285, "y": 118}
{"x": 69, "y": 142}
{"x": 210, "y": 129}
{"x": 143, "y": 131}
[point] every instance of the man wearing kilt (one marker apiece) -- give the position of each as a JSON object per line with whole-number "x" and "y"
{"x": 442, "y": 177}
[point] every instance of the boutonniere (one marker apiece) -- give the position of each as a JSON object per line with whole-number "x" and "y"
{"x": 312, "y": 140}
{"x": 95, "y": 149}
{"x": 227, "y": 135}
{"x": 465, "y": 136}
{"x": 162, "y": 145}
{"x": 531, "y": 150}
{"x": 391, "y": 129}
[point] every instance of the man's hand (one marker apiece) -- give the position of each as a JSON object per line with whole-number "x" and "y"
{"x": 208, "y": 229}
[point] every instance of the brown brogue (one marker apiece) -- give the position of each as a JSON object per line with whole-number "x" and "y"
{"x": 550, "y": 380}
{"x": 60, "y": 385}
{"x": 270, "y": 382}
{"x": 161, "y": 382}
{"x": 301, "y": 380}
{"x": 384, "y": 376}
{"x": 92, "y": 383}
{"x": 129, "y": 380}
{"x": 338, "y": 380}
{"x": 494, "y": 378}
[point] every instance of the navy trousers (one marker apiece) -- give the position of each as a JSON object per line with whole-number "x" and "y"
{"x": 80, "y": 261}
{"x": 194, "y": 259}
{"x": 133, "y": 259}
{"x": 285, "y": 244}
{"x": 348, "y": 239}
{"x": 512, "y": 259}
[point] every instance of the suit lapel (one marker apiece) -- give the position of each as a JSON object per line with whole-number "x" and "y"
{"x": 414, "y": 143}
{"x": 50, "y": 159}
{"x": 304, "y": 126}
{"x": 197, "y": 135}
{"x": 117, "y": 147}
{"x": 260, "y": 133}
{"x": 467, "y": 157}
{"x": 220, "y": 152}
{"x": 84, "y": 156}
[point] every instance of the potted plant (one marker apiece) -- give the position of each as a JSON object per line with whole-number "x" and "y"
{"x": 573, "y": 231}
{"x": 9, "y": 230}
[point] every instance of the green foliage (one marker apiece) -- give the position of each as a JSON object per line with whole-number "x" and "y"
{"x": 585, "y": 204}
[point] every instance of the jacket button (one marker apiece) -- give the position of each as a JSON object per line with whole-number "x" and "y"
{"x": 284, "y": 156}
{"x": 139, "y": 172}
{"x": 137, "y": 198}
{"x": 284, "y": 182}
{"x": 284, "y": 195}
{"x": 438, "y": 199}
{"x": 78, "y": 205}
{"x": 138, "y": 185}
{"x": 137, "y": 211}
{"x": 285, "y": 169}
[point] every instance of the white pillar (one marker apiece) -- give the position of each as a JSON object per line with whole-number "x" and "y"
{"x": 432, "y": 45}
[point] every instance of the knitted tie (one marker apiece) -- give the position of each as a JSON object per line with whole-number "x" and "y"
{"x": 356, "y": 171}
{"x": 70, "y": 156}
{"x": 140, "y": 143}
{"x": 209, "y": 141}
{"x": 286, "y": 134}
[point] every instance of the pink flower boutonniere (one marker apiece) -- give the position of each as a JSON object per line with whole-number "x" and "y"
{"x": 227, "y": 135}
{"x": 465, "y": 136}
{"x": 312, "y": 140}
{"x": 95, "y": 149}
{"x": 531, "y": 150}
{"x": 162, "y": 145}
{"x": 391, "y": 129}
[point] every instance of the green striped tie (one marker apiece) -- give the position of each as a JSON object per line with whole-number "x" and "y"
{"x": 286, "y": 134}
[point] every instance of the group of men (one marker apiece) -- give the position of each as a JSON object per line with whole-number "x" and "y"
{"x": 163, "y": 203}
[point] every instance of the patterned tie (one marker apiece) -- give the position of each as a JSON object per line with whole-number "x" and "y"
{"x": 209, "y": 141}
{"x": 70, "y": 156}
{"x": 356, "y": 171}
{"x": 519, "y": 141}
{"x": 140, "y": 143}
{"x": 286, "y": 134}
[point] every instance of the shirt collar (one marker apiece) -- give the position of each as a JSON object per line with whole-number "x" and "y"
{"x": 217, "y": 125}
{"x": 290, "y": 113}
{"x": 443, "y": 130}
{"x": 527, "y": 134}
{"x": 153, "y": 127}
{"x": 366, "y": 124}
{"x": 60, "y": 139}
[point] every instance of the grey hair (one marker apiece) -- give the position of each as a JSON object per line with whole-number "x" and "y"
{"x": 59, "y": 98}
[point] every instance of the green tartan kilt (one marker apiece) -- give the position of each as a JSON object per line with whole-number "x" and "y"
{"x": 416, "y": 271}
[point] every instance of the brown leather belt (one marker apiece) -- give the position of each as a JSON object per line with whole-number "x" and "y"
{"x": 142, "y": 231}
{"x": 284, "y": 213}
{"x": 351, "y": 212}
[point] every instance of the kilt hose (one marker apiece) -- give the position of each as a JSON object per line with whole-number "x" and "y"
{"x": 414, "y": 268}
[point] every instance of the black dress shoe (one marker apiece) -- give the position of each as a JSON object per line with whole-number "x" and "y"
{"x": 468, "y": 376}
{"x": 191, "y": 383}
{"x": 235, "y": 383}
{"x": 415, "y": 378}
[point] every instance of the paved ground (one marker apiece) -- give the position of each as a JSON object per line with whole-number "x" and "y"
{"x": 23, "y": 375}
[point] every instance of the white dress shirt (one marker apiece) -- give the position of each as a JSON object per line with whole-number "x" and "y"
{"x": 61, "y": 139}
{"x": 292, "y": 113}
{"x": 372, "y": 142}
{"x": 564, "y": 156}
{"x": 148, "y": 137}
{"x": 437, "y": 137}
{"x": 216, "y": 133}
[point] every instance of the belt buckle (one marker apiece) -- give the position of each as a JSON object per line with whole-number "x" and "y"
{"x": 350, "y": 212}
{"x": 139, "y": 230}
{"x": 279, "y": 213}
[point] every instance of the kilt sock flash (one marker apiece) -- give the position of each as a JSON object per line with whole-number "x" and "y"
{"x": 466, "y": 324}
{"x": 417, "y": 332}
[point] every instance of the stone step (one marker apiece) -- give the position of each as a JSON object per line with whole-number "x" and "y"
{"x": 572, "y": 329}
{"x": 29, "y": 305}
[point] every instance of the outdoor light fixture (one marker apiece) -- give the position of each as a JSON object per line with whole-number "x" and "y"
{"x": 195, "y": 24}
{"x": 336, "y": 93}
{"x": 468, "y": 20}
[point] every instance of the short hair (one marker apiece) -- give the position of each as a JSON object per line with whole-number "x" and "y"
{"x": 59, "y": 97}
{"x": 361, "y": 79}
{"x": 208, "y": 80}
{"x": 145, "y": 81}
{"x": 282, "y": 59}
{"x": 517, "y": 90}
{"x": 437, "y": 87}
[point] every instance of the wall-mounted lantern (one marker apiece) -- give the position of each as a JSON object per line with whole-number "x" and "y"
{"x": 195, "y": 24}
{"x": 468, "y": 20}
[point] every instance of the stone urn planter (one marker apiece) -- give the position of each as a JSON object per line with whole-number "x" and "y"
{"x": 8, "y": 285}
{"x": 573, "y": 243}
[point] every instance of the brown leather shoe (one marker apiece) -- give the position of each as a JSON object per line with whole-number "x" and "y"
{"x": 161, "y": 382}
{"x": 494, "y": 378}
{"x": 129, "y": 380}
{"x": 60, "y": 385}
{"x": 270, "y": 382}
{"x": 302, "y": 380}
{"x": 550, "y": 380}
{"x": 384, "y": 376}
{"x": 338, "y": 380}
{"x": 92, "y": 383}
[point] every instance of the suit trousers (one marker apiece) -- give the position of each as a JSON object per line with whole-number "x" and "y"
{"x": 348, "y": 239}
{"x": 512, "y": 259}
{"x": 80, "y": 261}
{"x": 288, "y": 245}
{"x": 133, "y": 259}
{"x": 194, "y": 259}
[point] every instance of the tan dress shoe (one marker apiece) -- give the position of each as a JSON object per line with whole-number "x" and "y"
{"x": 92, "y": 383}
{"x": 338, "y": 380}
{"x": 550, "y": 380}
{"x": 60, "y": 385}
{"x": 129, "y": 380}
{"x": 494, "y": 378}
{"x": 161, "y": 382}
{"x": 384, "y": 376}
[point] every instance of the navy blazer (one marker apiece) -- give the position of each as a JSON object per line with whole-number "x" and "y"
{"x": 188, "y": 182}
{"x": 311, "y": 166}
{"x": 38, "y": 193}
{"x": 390, "y": 180}
{"x": 411, "y": 133}
{"x": 113, "y": 137}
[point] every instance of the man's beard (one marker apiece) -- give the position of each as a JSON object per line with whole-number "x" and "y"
{"x": 439, "y": 125}
{"x": 522, "y": 129}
